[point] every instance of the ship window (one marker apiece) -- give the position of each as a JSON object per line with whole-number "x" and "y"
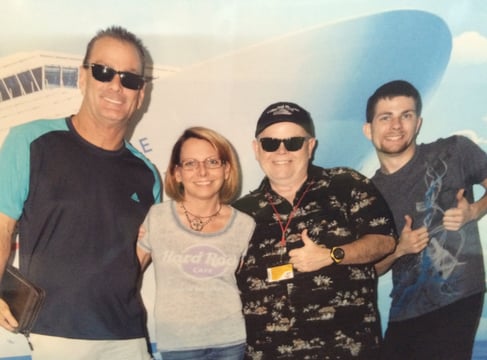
{"x": 37, "y": 72}
{"x": 3, "y": 92}
{"x": 28, "y": 83}
{"x": 13, "y": 86}
{"x": 70, "y": 77}
{"x": 53, "y": 76}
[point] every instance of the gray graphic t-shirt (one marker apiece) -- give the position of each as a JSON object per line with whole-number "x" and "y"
{"x": 451, "y": 267}
{"x": 197, "y": 300}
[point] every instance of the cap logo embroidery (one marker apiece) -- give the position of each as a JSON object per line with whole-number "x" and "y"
{"x": 284, "y": 109}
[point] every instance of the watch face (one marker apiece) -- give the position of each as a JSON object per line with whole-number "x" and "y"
{"x": 338, "y": 253}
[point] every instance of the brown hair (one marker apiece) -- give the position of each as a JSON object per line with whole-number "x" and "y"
{"x": 390, "y": 90}
{"x": 118, "y": 33}
{"x": 226, "y": 152}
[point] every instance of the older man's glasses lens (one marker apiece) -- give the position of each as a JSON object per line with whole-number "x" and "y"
{"x": 193, "y": 164}
{"x": 106, "y": 74}
{"x": 291, "y": 144}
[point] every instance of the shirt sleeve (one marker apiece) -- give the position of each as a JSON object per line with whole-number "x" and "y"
{"x": 15, "y": 168}
{"x": 474, "y": 160}
{"x": 144, "y": 241}
{"x": 368, "y": 208}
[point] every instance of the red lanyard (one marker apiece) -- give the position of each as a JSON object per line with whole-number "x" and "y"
{"x": 291, "y": 215}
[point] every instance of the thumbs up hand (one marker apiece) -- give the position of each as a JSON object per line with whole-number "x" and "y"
{"x": 455, "y": 218}
{"x": 412, "y": 241}
{"x": 311, "y": 256}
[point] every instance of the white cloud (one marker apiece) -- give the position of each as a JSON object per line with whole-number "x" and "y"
{"x": 469, "y": 48}
{"x": 472, "y": 135}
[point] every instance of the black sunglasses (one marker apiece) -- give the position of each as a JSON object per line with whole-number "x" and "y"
{"x": 291, "y": 144}
{"x": 104, "y": 73}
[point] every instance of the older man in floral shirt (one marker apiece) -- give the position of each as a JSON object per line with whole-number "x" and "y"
{"x": 308, "y": 284}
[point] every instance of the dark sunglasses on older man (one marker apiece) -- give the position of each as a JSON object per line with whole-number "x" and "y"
{"x": 291, "y": 144}
{"x": 105, "y": 73}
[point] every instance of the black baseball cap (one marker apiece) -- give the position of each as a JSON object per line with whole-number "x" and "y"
{"x": 285, "y": 112}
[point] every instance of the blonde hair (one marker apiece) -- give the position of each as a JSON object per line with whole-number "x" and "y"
{"x": 226, "y": 152}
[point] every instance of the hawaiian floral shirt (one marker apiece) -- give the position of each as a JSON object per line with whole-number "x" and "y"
{"x": 331, "y": 313}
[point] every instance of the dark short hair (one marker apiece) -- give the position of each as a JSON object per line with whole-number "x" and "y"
{"x": 118, "y": 33}
{"x": 391, "y": 90}
{"x": 226, "y": 152}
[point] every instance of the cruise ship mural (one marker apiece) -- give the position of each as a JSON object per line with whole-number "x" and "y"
{"x": 330, "y": 69}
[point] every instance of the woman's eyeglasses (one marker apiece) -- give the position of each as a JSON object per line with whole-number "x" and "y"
{"x": 193, "y": 164}
{"x": 291, "y": 144}
{"x": 105, "y": 73}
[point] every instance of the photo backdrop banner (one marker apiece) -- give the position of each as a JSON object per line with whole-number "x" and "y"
{"x": 220, "y": 63}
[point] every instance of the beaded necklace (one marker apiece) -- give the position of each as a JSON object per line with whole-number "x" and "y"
{"x": 197, "y": 223}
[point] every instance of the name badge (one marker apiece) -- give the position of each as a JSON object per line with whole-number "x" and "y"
{"x": 281, "y": 272}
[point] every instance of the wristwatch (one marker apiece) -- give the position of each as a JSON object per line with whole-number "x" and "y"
{"x": 337, "y": 254}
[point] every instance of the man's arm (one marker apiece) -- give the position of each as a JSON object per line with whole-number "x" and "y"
{"x": 7, "y": 227}
{"x": 367, "y": 249}
{"x": 410, "y": 242}
{"x": 144, "y": 257}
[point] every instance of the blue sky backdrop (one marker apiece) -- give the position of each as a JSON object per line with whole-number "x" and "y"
{"x": 186, "y": 34}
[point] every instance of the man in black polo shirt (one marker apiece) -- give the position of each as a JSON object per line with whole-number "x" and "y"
{"x": 78, "y": 192}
